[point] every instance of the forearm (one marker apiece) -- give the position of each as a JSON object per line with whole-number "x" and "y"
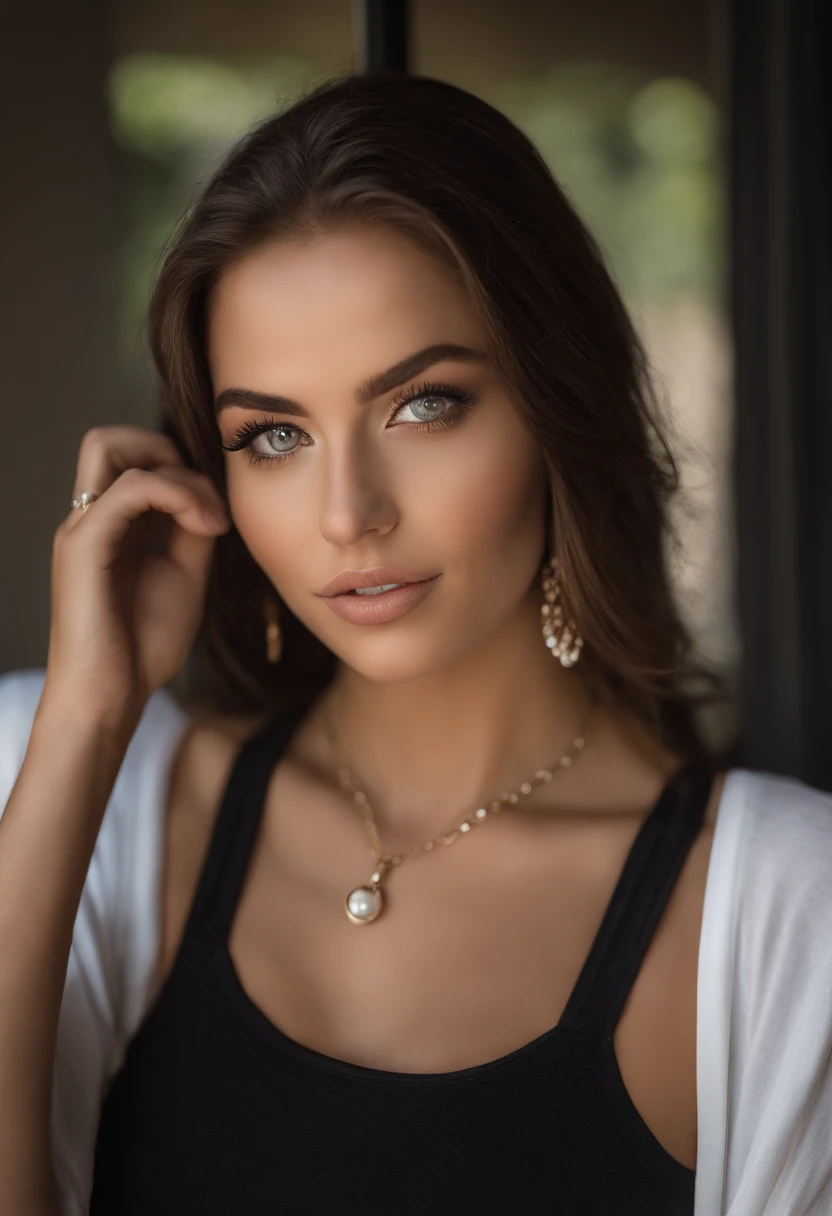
{"x": 47, "y": 835}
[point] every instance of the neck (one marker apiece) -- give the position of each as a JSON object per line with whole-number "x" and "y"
{"x": 427, "y": 749}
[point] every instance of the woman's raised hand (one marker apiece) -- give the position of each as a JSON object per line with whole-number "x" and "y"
{"x": 129, "y": 573}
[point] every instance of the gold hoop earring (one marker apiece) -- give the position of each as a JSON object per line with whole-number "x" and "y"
{"x": 563, "y": 640}
{"x": 274, "y": 638}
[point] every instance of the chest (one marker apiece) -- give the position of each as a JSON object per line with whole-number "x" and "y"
{"x": 476, "y": 953}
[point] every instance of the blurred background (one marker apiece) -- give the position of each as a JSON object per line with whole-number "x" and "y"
{"x": 692, "y": 138}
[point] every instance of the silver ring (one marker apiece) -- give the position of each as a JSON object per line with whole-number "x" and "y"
{"x": 84, "y": 501}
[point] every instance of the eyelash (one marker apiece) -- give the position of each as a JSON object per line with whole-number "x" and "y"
{"x": 460, "y": 399}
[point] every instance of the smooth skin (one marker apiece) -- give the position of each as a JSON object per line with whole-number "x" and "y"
{"x": 480, "y": 943}
{"x": 123, "y": 619}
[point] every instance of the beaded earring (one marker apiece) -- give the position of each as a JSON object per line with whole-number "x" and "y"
{"x": 563, "y": 640}
{"x": 274, "y": 639}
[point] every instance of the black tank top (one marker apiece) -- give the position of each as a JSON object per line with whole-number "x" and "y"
{"x": 216, "y": 1112}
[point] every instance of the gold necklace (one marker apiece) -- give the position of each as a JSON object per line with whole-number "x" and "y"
{"x": 364, "y": 904}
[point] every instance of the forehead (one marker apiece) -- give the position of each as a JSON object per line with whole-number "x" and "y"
{"x": 351, "y": 301}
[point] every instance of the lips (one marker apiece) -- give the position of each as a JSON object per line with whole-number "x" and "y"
{"x": 378, "y": 576}
{"x": 365, "y": 591}
{"x": 386, "y": 606}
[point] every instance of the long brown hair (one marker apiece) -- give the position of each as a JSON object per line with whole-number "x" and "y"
{"x": 455, "y": 174}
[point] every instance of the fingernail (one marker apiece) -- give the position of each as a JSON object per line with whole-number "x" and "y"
{"x": 216, "y": 520}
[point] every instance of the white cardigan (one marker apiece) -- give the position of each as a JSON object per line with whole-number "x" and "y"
{"x": 764, "y": 985}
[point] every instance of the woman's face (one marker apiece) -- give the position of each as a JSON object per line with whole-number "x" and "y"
{"x": 437, "y": 486}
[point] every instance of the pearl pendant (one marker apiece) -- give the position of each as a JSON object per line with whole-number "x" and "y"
{"x": 363, "y": 904}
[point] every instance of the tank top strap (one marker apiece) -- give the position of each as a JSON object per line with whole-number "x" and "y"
{"x": 638, "y": 901}
{"x": 235, "y": 828}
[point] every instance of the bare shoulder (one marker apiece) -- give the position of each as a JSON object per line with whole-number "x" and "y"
{"x": 206, "y": 750}
{"x": 200, "y": 769}
{"x": 199, "y": 772}
{"x": 688, "y": 898}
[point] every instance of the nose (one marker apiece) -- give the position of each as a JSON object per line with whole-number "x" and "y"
{"x": 356, "y": 497}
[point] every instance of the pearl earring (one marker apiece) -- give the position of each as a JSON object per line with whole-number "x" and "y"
{"x": 564, "y": 641}
{"x": 274, "y": 640}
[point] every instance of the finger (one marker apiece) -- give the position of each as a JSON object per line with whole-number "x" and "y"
{"x": 155, "y": 531}
{"x": 200, "y": 483}
{"x": 183, "y": 494}
{"x": 190, "y": 552}
{"x": 108, "y": 451}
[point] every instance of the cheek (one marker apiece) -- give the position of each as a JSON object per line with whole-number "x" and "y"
{"x": 482, "y": 488}
{"x": 269, "y": 520}
{"x": 490, "y": 488}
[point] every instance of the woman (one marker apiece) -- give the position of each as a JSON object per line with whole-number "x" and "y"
{"x": 406, "y": 519}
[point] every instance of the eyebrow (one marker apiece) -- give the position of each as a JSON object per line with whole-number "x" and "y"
{"x": 369, "y": 390}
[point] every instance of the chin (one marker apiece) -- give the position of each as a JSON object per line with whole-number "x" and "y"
{"x": 389, "y": 668}
{"x": 393, "y": 660}
{"x": 412, "y": 654}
